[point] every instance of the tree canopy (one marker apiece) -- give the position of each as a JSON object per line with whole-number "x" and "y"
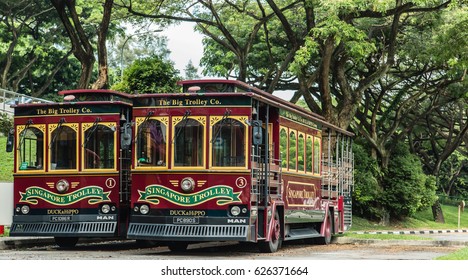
{"x": 392, "y": 71}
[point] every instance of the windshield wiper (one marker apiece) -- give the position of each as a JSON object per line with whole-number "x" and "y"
{"x": 179, "y": 129}
{"x": 23, "y": 133}
{"x": 93, "y": 129}
{"x": 59, "y": 128}
{"x": 148, "y": 115}
{"x": 223, "y": 120}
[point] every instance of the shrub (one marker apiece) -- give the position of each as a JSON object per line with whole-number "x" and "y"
{"x": 149, "y": 75}
{"x": 406, "y": 188}
{"x": 6, "y": 123}
{"x": 367, "y": 191}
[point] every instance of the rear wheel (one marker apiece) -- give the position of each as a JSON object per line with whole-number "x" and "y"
{"x": 326, "y": 239}
{"x": 275, "y": 239}
{"x": 66, "y": 242}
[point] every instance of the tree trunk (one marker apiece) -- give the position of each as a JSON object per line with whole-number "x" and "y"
{"x": 437, "y": 213}
{"x": 103, "y": 77}
{"x": 81, "y": 45}
{"x": 385, "y": 219}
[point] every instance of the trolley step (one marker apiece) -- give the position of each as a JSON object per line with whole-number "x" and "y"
{"x": 301, "y": 233}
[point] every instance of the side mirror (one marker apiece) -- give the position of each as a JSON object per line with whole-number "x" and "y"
{"x": 10, "y": 141}
{"x": 126, "y": 136}
{"x": 257, "y": 132}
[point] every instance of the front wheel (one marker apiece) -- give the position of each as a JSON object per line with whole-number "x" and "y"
{"x": 275, "y": 239}
{"x": 178, "y": 246}
{"x": 66, "y": 242}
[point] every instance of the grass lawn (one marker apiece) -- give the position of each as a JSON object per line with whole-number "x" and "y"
{"x": 6, "y": 162}
{"x": 461, "y": 254}
{"x": 423, "y": 220}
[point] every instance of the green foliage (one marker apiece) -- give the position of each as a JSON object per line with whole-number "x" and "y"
{"x": 149, "y": 75}
{"x": 6, "y": 162}
{"x": 367, "y": 191}
{"x": 406, "y": 188}
{"x": 453, "y": 175}
{"x": 6, "y": 123}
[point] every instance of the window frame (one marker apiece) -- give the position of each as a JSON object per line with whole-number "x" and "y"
{"x": 290, "y": 155}
{"x": 139, "y": 121}
{"x": 21, "y": 128}
{"x": 302, "y": 151}
{"x": 242, "y": 120}
{"x": 176, "y": 120}
{"x": 317, "y": 164}
{"x": 84, "y": 127}
{"x": 51, "y": 129}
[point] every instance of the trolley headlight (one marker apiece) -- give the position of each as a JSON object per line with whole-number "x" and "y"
{"x": 144, "y": 209}
{"x": 187, "y": 184}
{"x": 235, "y": 210}
{"x": 62, "y": 186}
{"x": 25, "y": 209}
{"x": 105, "y": 208}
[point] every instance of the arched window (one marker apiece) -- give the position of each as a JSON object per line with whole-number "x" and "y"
{"x": 292, "y": 150}
{"x": 99, "y": 147}
{"x": 300, "y": 153}
{"x": 188, "y": 143}
{"x": 317, "y": 151}
{"x": 31, "y": 149}
{"x": 151, "y": 145}
{"x": 63, "y": 148}
{"x": 284, "y": 147}
{"x": 228, "y": 143}
{"x": 309, "y": 156}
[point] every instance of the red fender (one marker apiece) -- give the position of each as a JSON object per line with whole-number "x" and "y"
{"x": 273, "y": 208}
{"x": 325, "y": 219}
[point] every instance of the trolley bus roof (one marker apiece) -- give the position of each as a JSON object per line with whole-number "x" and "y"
{"x": 265, "y": 97}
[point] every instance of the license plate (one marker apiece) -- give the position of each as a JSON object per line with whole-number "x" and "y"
{"x": 60, "y": 219}
{"x": 185, "y": 220}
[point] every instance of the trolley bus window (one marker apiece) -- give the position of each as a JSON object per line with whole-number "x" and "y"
{"x": 99, "y": 147}
{"x": 309, "y": 158}
{"x": 229, "y": 145}
{"x": 284, "y": 147}
{"x": 317, "y": 150}
{"x": 151, "y": 145}
{"x": 63, "y": 149}
{"x": 31, "y": 149}
{"x": 188, "y": 146}
{"x": 300, "y": 153}
{"x": 292, "y": 151}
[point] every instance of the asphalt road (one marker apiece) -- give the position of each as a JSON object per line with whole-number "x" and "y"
{"x": 346, "y": 258}
{"x": 343, "y": 248}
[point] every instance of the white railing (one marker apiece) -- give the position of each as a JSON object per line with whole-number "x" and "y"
{"x": 9, "y": 98}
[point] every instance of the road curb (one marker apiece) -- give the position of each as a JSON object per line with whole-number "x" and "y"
{"x": 413, "y": 231}
{"x": 397, "y": 242}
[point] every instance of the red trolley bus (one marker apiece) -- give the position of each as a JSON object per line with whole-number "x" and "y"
{"x": 224, "y": 161}
{"x": 72, "y": 166}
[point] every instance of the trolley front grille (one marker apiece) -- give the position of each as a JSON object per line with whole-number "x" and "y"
{"x": 49, "y": 229}
{"x": 188, "y": 232}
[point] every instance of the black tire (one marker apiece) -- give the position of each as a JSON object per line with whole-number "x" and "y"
{"x": 275, "y": 240}
{"x": 66, "y": 242}
{"x": 178, "y": 246}
{"x": 146, "y": 243}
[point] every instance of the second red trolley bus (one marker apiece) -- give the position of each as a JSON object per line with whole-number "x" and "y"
{"x": 224, "y": 161}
